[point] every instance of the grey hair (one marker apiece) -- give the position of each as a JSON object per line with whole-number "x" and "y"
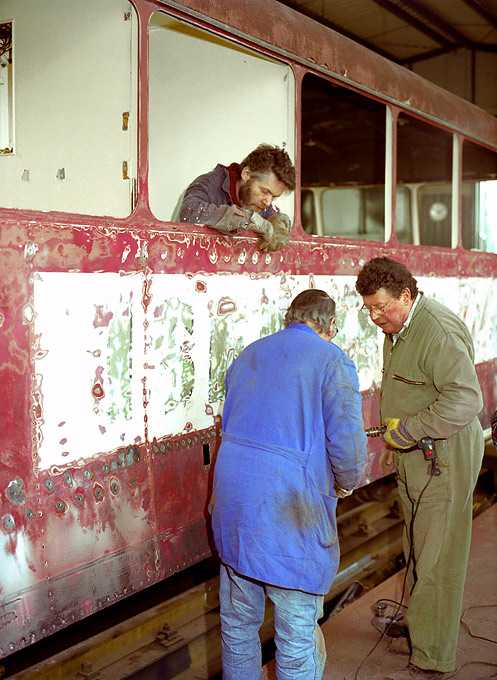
{"x": 312, "y": 305}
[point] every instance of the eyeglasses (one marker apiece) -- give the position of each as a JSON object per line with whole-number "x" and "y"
{"x": 376, "y": 310}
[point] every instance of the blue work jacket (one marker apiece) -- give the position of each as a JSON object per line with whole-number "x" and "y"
{"x": 292, "y": 425}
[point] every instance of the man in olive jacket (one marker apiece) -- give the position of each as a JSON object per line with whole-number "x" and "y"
{"x": 429, "y": 389}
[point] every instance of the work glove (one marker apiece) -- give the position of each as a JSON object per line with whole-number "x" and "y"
{"x": 342, "y": 493}
{"x": 397, "y": 434}
{"x": 234, "y": 218}
{"x": 260, "y": 226}
{"x": 280, "y": 238}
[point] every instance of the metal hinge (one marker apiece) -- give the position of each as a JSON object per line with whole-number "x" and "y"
{"x": 125, "y": 170}
{"x": 125, "y": 120}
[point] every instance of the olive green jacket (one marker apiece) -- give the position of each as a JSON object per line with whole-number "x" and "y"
{"x": 429, "y": 375}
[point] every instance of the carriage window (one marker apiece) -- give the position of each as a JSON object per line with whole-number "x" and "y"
{"x": 211, "y": 101}
{"x": 75, "y": 107}
{"x": 6, "y": 105}
{"x": 479, "y": 198}
{"x": 343, "y": 161}
{"x": 424, "y": 168}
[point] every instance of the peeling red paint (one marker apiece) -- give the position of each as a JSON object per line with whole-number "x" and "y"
{"x": 101, "y": 318}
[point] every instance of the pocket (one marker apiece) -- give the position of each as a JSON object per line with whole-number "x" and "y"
{"x": 408, "y": 381}
{"x": 326, "y": 525}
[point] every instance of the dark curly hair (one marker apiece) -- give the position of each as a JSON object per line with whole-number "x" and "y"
{"x": 383, "y": 272}
{"x": 267, "y": 158}
{"x": 312, "y": 305}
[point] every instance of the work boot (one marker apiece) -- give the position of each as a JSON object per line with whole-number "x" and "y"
{"x": 412, "y": 672}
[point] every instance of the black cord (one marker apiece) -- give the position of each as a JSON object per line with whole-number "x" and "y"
{"x": 410, "y": 559}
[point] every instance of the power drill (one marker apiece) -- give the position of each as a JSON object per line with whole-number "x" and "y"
{"x": 427, "y": 446}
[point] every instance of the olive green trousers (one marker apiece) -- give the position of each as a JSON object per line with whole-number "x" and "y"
{"x": 438, "y": 512}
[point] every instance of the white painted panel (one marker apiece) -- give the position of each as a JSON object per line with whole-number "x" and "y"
{"x": 72, "y": 82}
{"x": 167, "y": 360}
{"x": 210, "y": 102}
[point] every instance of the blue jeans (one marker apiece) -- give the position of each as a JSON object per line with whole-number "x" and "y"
{"x": 300, "y": 650}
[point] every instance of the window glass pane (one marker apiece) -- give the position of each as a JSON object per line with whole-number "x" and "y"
{"x": 479, "y": 198}
{"x": 435, "y": 202}
{"x": 211, "y": 101}
{"x": 73, "y": 84}
{"x": 308, "y": 210}
{"x": 343, "y": 160}
{"x": 403, "y": 214}
{"x": 424, "y": 168}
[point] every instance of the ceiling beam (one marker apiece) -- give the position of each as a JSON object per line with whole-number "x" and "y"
{"x": 477, "y": 6}
{"x": 394, "y": 8}
{"x": 428, "y": 15}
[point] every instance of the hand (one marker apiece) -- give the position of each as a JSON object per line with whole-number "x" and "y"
{"x": 233, "y": 218}
{"x": 260, "y": 226}
{"x": 281, "y": 237}
{"x": 397, "y": 434}
{"x": 342, "y": 493}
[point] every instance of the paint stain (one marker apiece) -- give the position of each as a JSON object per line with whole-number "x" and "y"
{"x": 101, "y": 318}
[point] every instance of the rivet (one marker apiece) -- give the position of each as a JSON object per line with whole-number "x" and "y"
{"x": 60, "y": 506}
{"x": 8, "y": 523}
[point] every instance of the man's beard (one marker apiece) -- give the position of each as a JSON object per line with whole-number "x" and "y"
{"x": 245, "y": 195}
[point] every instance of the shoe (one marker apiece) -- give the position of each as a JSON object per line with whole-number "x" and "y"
{"x": 412, "y": 672}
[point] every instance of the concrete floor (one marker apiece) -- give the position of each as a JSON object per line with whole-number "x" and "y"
{"x": 350, "y": 636}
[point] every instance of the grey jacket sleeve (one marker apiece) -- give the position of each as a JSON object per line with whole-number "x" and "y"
{"x": 196, "y": 209}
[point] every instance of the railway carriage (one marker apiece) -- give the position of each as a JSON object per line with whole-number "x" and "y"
{"x": 117, "y": 322}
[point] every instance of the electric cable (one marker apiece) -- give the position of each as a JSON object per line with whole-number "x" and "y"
{"x": 410, "y": 559}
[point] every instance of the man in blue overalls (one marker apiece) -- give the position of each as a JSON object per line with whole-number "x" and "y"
{"x": 293, "y": 441}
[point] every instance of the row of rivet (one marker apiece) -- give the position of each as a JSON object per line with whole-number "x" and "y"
{"x": 125, "y": 459}
{"x": 188, "y": 441}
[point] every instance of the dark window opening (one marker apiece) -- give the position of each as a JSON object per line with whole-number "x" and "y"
{"x": 343, "y": 162}
{"x": 424, "y": 168}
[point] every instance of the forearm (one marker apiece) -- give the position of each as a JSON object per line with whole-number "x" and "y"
{"x": 455, "y": 408}
{"x": 459, "y": 397}
{"x": 197, "y": 210}
{"x": 346, "y": 439}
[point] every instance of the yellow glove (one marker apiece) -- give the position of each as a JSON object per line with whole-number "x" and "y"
{"x": 397, "y": 434}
